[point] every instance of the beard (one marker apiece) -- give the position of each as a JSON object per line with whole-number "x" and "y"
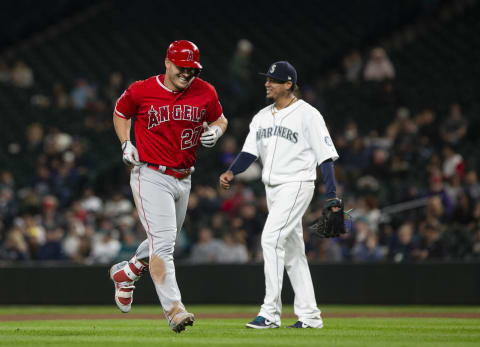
{"x": 269, "y": 100}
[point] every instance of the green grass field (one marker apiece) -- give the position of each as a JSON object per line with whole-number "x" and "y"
{"x": 129, "y": 330}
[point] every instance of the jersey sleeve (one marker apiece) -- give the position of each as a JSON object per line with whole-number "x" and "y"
{"x": 214, "y": 108}
{"x": 127, "y": 104}
{"x": 250, "y": 145}
{"x": 319, "y": 138}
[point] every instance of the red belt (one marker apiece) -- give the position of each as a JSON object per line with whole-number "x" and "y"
{"x": 177, "y": 173}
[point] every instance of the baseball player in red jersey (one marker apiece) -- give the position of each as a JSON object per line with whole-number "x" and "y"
{"x": 173, "y": 113}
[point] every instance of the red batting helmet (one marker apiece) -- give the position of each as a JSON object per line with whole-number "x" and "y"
{"x": 184, "y": 54}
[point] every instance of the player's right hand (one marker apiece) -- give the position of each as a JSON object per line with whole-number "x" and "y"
{"x": 130, "y": 154}
{"x": 225, "y": 179}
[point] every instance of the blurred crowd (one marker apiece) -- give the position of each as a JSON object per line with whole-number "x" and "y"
{"x": 413, "y": 194}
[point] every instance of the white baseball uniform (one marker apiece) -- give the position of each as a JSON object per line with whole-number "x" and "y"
{"x": 291, "y": 143}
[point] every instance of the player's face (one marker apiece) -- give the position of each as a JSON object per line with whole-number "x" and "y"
{"x": 178, "y": 78}
{"x": 276, "y": 89}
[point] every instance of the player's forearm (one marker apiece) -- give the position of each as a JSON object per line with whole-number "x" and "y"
{"x": 242, "y": 162}
{"x": 328, "y": 175}
{"x": 221, "y": 122}
{"x": 122, "y": 128}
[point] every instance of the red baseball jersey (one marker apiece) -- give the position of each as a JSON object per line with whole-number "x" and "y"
{"x": 168, "y": 124}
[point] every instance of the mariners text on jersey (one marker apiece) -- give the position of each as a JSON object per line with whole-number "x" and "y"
{"x": 283, "y": 132}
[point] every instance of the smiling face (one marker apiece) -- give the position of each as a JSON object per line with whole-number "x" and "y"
{"x": 277, "y": 89}
{"x": 178, "y": 78}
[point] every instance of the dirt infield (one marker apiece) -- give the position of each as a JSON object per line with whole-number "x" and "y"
{"x": 219, "y": 315}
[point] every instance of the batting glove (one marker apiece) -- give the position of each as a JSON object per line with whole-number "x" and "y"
{"x": 130, "y": 154}
{"x": 210, "y": 135}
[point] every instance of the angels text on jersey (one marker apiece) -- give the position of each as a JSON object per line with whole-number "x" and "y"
{"x": 162, "y": 114}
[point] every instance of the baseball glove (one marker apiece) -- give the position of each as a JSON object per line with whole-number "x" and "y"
{"x": 331, "y": 223}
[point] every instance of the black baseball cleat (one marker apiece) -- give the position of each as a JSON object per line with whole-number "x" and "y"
{"x": 261, "y": 323}
{"x": 299, "y": 324}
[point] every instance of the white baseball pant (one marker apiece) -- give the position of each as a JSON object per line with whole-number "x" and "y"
{"x": 284, "y": 247}
{"x": 161, "y": 202}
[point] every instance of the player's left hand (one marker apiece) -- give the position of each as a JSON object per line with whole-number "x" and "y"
{"x": 225, "y": 179}
{"x": 210, "y": 135}
{"x": 332, "y": 221}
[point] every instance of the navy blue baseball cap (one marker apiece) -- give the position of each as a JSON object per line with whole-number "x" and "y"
{"x": 282, "y": 71}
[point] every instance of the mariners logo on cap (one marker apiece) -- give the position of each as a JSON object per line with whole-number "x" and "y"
{"x": 272, "y": 68}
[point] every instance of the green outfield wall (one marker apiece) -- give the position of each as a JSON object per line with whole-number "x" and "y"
{"x": 444, "y": 283}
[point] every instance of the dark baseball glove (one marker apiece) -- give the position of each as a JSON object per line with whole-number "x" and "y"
{"x": 331, "y": 223}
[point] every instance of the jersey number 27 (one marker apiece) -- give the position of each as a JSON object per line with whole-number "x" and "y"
{"x": 190, "y": 137}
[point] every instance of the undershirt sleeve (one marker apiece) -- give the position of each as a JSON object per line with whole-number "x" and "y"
{"x": 328, "y": 175}
{"x": 242, "y": 162}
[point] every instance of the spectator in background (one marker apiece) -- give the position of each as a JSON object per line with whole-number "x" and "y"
{"x": 378, "y": 67}
{"x": 453, "y": 163}
{"x": 324, "y": 250}
{"x": 82, "y": 94}
{"x": 252, "y": 223}
{"x": 52, "y": 248}
{"x": 77, "y": 243}
{"x": 368, "y": 250}
{"x": 233, "y": 249}
{"x": 240, "y": 83}
{"x": 463, "y": 213}
{"x": 51, "y": 217}
{"x": 431, "y": 246}
{"x": 114, "y": 88}
{"x": 91, "y": 202}
{"x": 117, "y": 205}
{"x": 105, "y": 247}
{"x": 350, "y": 130}
{"x": 228, "y": 151}
{"x": 207, "y": 249}
{"x": 56, "y": 141}
{"x": 8, "y": 205}
{"x": 310, "y": 95}
{"x": 61, "y": 100}
{"x": 472, "y": 187}
{"x": 402, "y": 244}
{"x": 64, "y": 180}
{"x": 426, "y": 122}
{"x": 22, "y": 75}
{"x": 454, "y": 127}
{"x": 440, "y": 206}
{"x": 352, "y": 66}
{"x": 35, "y": 137}
{"x": 34, "y": 234}
{"x": 219, "y": 224}
{"x": 476, "y": 244}
{"x": 15, "y": 247}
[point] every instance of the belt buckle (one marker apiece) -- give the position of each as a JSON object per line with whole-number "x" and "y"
{"x": 184, "y": 173}
{"x": 179, "y": 173}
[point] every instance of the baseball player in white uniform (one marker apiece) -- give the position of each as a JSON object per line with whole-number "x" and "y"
{"x": 291, "y": 139}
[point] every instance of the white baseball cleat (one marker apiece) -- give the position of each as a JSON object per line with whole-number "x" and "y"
{"x": 123, "y": 279}
{"x": 181, "y": 320}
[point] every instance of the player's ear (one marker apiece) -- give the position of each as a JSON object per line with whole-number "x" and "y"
{"x": 167, "y": 63}
{"x": 288, "y": 85}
